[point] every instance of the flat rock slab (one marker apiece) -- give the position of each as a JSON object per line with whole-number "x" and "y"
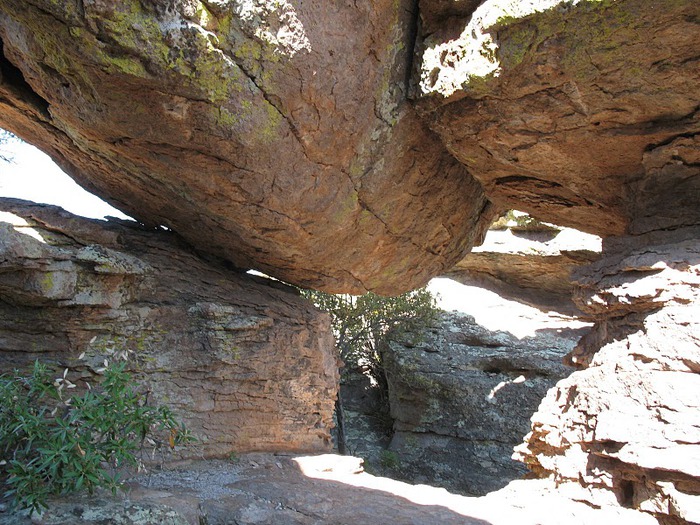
{"x": 274, "y": 490}
{"x": 532, "y": 267}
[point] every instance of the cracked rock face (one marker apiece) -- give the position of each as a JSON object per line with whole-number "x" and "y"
{"x": 462, "y": 398}
{"x": 273, "y": 134}
{"x": 246, "y": 364}
{"x": 278, "y": 135}
{"x": 565, "y": 109}
{"x": 625, "y": 430}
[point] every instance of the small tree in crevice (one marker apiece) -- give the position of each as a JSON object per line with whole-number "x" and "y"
{"x": 6, "y": 138}
{"x": 361, "y": 325}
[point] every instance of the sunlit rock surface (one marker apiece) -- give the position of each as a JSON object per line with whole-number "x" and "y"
{"x": 625, "y": 429}
{"x": 529, "y": 263}
{"x": 264, "y": 489}
{"x": 558, "y": 107}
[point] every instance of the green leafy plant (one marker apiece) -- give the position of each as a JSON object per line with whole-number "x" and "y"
{"x": 51, "y": 444}
{"x": 361, "y": 323}
{"x": 389, "y": 459}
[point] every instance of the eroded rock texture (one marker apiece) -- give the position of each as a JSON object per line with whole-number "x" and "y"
{"x": 278, "y": 135}
{"x": 273, "y": 134}
{"x": 530, "y": 266}
{"x": 561, "y": 108}
{"x": 247, "y": 365}
{"x": 627, "y": 428}
{"x": 462, "y": 398}
{"x": 266, "y": 489}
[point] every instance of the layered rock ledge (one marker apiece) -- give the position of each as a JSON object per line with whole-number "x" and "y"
{"x": 246, "y": 363}
{"x": 626, "y": 429}
{"x": 530, "y": 266}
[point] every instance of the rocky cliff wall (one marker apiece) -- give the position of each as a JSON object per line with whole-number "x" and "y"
{"x": 625, "y": 429}
{"x": 245, "y": 362}
{"x": 462, "y": 397}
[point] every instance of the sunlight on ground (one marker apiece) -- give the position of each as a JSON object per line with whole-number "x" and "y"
{"x": 348, "y": 470}
{"x": 495, "y": 313}
{"x": 526, "y": 502}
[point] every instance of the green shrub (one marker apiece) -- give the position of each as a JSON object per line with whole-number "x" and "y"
{"x": 54, "y": 445}
{"x": 361, "y": 323}
{"x": 389, "y": 459}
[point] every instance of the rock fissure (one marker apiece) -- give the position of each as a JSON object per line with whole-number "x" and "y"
{"x": 268, "y": 98}
{"x": 11, "y": 77}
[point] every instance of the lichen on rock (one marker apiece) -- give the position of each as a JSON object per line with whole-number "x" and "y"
{"x": 249, "y": 124}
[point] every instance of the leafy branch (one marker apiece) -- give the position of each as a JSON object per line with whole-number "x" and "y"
{"x": 51, "y": 445}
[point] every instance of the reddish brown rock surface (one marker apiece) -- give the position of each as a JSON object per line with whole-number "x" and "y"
{"x": 555, "y": 106}
{"x": 247, "y": 364}
{"x": 278, "y": 135}
{"x": 273, "y": 134}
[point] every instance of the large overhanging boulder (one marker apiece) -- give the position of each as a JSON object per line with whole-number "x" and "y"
{"x": 273, "y": 134}
{"x": 558, "y": 107}
{"x": 278, "y": 135}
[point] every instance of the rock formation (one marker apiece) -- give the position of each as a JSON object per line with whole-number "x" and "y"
{"x": 245, "y": 362}
{"x": 462, "y": 398}
{"x": 626, "y": 429}
{"x": 366, "y": 146}
{"x": 556, "y": 107}
{"x": 529, "y": 265}
{"x": 260, "y": 134}
{"x": 274, "y": 134}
